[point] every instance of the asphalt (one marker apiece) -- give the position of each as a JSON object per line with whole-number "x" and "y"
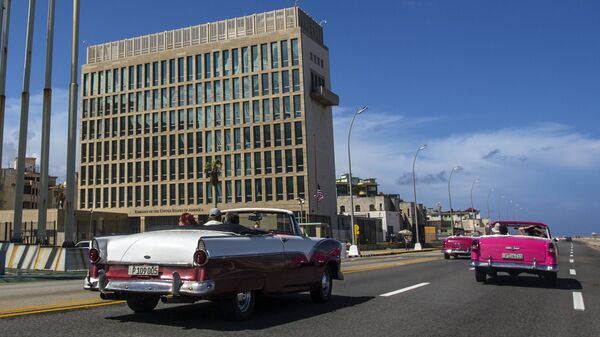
{"x": 441, "y": 298}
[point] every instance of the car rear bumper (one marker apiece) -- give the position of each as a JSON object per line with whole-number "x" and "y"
{"x": 457, "y": 251}
{"x": 174, "y": 287}
{"x": 513, "y": 265}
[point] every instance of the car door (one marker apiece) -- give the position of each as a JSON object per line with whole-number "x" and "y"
{"x": 298, "y": 271}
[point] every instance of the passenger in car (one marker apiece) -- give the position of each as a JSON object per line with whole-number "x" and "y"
{"x": 214, "y": 217}
{"x": 184, "y": 219}
{"x": 232, "y": 224}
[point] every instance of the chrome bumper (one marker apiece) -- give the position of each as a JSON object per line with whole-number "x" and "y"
{"x": 174, "y": 287}
{"x": 513, "y": 265}
{"x": 457, "y": 251}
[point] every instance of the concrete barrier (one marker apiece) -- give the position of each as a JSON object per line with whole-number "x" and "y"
{"x": 34, "y": 257}
{"x": 2, "y": 261}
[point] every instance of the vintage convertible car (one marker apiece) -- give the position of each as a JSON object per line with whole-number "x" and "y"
{"x": 192, "y": 263}
{"x": 515, "y": 247}
{"x": 457, "y": 246}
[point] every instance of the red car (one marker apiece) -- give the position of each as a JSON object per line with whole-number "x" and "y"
{"x": 516, "y": 247}
{"x": 457, "y": 246}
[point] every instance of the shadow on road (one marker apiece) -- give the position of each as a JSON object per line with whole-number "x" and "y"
{"x": 534, "y": 282}
{"x": 269, "y": 312}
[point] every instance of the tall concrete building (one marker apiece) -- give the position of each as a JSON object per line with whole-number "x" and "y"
{"x": 252, "y": 92}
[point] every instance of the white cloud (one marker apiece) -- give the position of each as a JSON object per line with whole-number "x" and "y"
{"x": 58, "y": 132}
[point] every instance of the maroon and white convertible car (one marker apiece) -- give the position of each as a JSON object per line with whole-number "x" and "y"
{"x": 193, "y": 263}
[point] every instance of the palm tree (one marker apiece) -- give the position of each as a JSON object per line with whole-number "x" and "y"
{"x": 213, "y": 171}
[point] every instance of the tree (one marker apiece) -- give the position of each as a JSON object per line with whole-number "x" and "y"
{"x": 58, "y": 192}
{"x": 213, "y": 171}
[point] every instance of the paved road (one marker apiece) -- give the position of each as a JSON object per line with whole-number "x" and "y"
{"x": 426, "y": 296}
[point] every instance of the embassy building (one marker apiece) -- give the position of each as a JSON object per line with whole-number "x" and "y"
{"x": 252, "y": 92}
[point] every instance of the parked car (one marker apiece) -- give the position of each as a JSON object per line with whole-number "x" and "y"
{"x": 457, "y": 246}
{"x": 191, "y": 263}
{"x": 516, "y": 247}
{"x": 83, "y": 244}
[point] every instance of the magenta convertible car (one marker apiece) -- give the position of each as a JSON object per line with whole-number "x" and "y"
{"x": 515, "y": 247}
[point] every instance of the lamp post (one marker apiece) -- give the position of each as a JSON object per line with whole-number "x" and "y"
{"x": 499, "y": 199}
{"x": 455, "y": 168}
{"x": 416, "y": 213}
{"x": 358, "y": 112}
{"x": 488, "y": 203}
{"x": 91, "y": 217}
{"x": 301, "y": 201}
{"x": 473, "y": 185}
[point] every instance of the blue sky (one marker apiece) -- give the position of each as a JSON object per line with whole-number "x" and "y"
{"x": 507, "y": 89}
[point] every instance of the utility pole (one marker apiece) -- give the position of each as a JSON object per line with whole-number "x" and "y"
{"x": 22, "y": 152}
{"x": 72, "y": 132}
{"x": 3, "y": 59}
{"x": 45, "y": 147}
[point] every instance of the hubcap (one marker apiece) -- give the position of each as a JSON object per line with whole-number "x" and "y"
{"x": 243, "y": 300}
{"x": 325, "y": 283}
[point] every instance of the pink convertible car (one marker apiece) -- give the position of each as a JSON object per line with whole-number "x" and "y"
{"x": 515, "y": 247}
{"x": 457, "y": 246}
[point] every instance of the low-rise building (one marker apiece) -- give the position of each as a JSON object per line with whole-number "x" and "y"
{"x": 31, "y": 188}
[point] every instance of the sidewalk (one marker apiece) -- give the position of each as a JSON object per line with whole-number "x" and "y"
{"x": 18, "y": 275}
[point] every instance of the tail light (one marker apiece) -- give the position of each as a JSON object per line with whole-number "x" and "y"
{"x": 94, "y": 255}
{"x": 200, "y": 257}
{"x": 475, "y": 245}
{"x": 551, "y": 249}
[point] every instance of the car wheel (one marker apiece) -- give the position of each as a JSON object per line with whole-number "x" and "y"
{"x": 321, "y": 291}
{"x": 142, "y": 303}
{"x": 480, "y": 274}
{"x": 446, "y": 256}
{"x": 240, "y": 306}
{"x": 550, "y": 278}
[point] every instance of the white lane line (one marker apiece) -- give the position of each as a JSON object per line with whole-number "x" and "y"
{"x": 571, "y": 260}
{"x": 572, "y": 271}
{"x": 395, "y": 292}
{"x": 578, "y": 301}
{"x": 571, "y": 255}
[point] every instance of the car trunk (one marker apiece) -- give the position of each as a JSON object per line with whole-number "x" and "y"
{"x": 514, "y": 249}
{"x": 459, "y": 244}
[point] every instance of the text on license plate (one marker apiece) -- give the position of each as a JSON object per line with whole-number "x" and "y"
{"x": 143, "y": 270}
{"x": 512, "y": 256}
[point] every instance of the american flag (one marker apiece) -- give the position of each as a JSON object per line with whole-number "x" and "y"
{"x": 319, "y": 195}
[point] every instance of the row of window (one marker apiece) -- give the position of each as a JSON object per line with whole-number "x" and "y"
{"x": 194, "y": 67}
{"x": 193, "y": 143}
{"x": 233, "y": 165}
{"x": 256, "y": 111}
{"x": 194, "y": 193}
{"x": 192, "y": 94}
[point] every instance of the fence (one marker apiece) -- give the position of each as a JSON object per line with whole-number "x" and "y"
{"x": 29, "y": 232}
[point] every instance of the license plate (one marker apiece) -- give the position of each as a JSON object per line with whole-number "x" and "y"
{"x": 143, "y": 270}
{"x": 512, "y": 256}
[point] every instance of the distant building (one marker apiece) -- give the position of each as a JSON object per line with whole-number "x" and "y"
{"x": 31, "y": 188}
{"x": 395, "y": 214}
{"x": 466, "y": 222}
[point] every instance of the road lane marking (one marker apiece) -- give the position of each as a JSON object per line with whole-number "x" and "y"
{"x": 578, "y": 301}
{"x": 472, "y": 268}
{"x": 91, "y": 305}
{"x": 404, "y": 289}
{"x": 51, "y": 305}
{"x": 390, "y": 265}
{"x": 571, "y": 261}
{"x": 572, "y": 271}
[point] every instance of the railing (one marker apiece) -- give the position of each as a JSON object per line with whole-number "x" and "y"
{"x": 29, "y": 232}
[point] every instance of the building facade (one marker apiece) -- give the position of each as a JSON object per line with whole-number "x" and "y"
{"x": 252, "y": 93}
{"x": 31, "y": 189}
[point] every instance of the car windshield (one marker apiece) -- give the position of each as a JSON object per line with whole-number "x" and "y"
{"x": 278, "y": 223}
{"x": 520, "y": 229}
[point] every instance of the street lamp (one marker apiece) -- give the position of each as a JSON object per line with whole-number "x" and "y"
{"x": 358, "y": 112}
{"x": 301, "y": 201}
{"x": 455, "y": 168}
{"x": 473, "y": 185}
{"x": 416, "y": 214}
{"x": 488, "y": 203}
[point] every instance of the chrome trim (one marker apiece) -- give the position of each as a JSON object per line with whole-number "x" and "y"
{"x": 457, "y": 251}
{"x": 90, "y": 283}
{"x": 513, "y": 265}
{"x": 160, "y": 287}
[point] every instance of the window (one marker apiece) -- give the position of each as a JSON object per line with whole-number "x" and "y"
{"x": 189, "y": 69}
{"x": 298, "y": 132}
{"x": 248, "y": 190}
{"x": 146, "y": 75}
{"x": 297, "y": 106}
{"x": 342, "y": 209}
{"x": 357, "y": 208}
{"x": 163, "y": 72}
{"x": 289, "y": 187}
{"x": 258, "y": 189}
{"x": 245, "y": 63}
{"x": 207, "y": 66}
{"x": 268, "y": 164}
{"x": 255, "y": 90}
{"x": 180, "y": 72}
{"x": 296, "y": 80}
{"x": 299, "y": 160}
{"x": 267, "y": 136}
{"x": 266, "y": 107}
{"x": 264, "y": 52}
{"x": 217, "y": 63}
{"x": 274, "y": 55}
{"x": 236, "y": 61}
{"x": 172, "y": 71}
{"x": 278, "y": 161}
{"x": 287, "y": 110}
{"x": 268, "y": 189}
{"x": 247, "y": 164}
{"x": 279, "y": 188}
{"x": 294, "y": 52}
{"x": 255, "y": 65}
{"x": 289, "y": 161}
{"x": 226, "y": 65}
{"x": 287, "y": 133}
{"x": 300, "y": 186}
{"x": 285, "y": 79}
{"x": 275, "y": 82}
{"x": 257, "y": 163}
{"x": 198, "y": 66}
{"x": 265, "y": 84}
{"x": 284, "y": 54}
